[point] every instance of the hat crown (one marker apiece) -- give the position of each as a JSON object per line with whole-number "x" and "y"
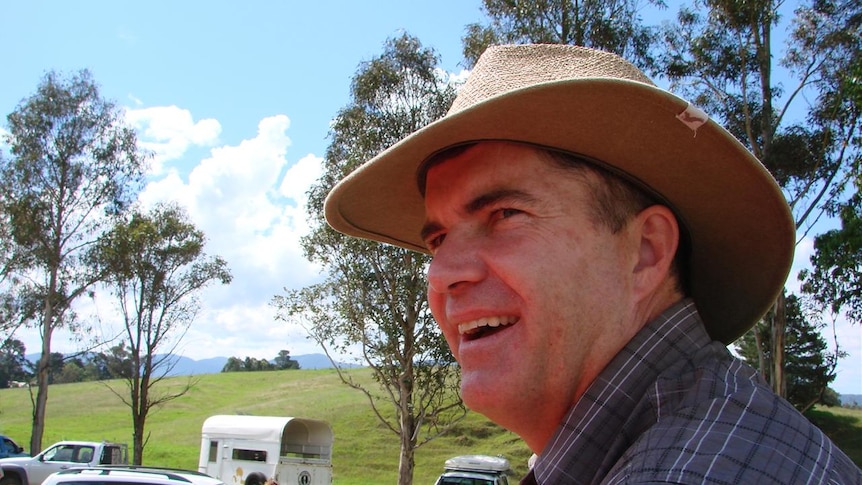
{"x": 505, "y": 68}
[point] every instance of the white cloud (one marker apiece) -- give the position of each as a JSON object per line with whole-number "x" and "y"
{"x": 168, "y": 131}
{"x": 245, "y": 331}
{"x": 458, "y": 78}
{"x": 136, "y": 101}
{"x": 300, "y": 177}
{"x": 249, "y": 199}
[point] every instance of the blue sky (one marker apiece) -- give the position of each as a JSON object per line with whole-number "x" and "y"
{"x": 235, "y": 100}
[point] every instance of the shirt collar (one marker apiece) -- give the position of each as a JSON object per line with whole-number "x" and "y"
{"x": 584, "y": 446}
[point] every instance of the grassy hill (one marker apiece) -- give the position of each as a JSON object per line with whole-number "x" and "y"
{"x": 364, "y": 451}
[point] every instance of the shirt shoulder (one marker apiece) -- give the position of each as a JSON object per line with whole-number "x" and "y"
{"x": 718, "y": 422}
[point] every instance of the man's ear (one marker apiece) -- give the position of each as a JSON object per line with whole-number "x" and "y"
{"x": 658, "y": 232}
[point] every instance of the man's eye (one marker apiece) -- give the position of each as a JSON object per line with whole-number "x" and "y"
{"x": 435, "y": 242}
{"x": 506, "y": 213}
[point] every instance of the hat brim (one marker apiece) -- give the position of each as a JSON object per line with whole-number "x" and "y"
{"x": 741, "y": 230}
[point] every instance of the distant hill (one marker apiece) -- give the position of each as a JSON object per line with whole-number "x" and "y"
{"x": 851, "y": 399}
{"x": 185, "y": 366}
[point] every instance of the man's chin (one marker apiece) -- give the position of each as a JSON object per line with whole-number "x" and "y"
{"x": 483, "y": 393}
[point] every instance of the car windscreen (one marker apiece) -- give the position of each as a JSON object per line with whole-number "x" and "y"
{"x": 464, "y": 481}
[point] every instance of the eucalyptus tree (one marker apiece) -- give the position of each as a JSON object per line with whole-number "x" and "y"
{"x": 810, "y": 367}
{"x": 72, "y": 167}
{"x": 155, "y": 268}
{"x": 834, "y": 280}
{"x": 13, "y": 362}
{"x": 373, "y": 299}
{"x": 283, "y": 361}
{"x": 721, "y": 54}
{"x": 612, "y": 25}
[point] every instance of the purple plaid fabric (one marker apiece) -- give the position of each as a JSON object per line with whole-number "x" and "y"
{"x": 675, "y": 407}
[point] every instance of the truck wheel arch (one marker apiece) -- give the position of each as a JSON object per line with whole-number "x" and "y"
{"x": 13, "y": 476}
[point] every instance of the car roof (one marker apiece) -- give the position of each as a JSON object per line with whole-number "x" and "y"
{"x": 84, "y": 443}
{"x": 131, "y": 474}
{"x": 470, "y": 474}
{"x": 481, "y": 463}
{"x": 76, "y": 443}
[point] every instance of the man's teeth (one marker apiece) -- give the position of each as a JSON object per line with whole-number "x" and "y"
{"x": 477, "y": 325}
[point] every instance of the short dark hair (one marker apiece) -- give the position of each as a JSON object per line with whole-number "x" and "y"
{"x": 615, "y": 199}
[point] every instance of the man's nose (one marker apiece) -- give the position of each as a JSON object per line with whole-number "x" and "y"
{"x": 456, "y": 264}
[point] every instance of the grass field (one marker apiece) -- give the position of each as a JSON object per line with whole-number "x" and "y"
{"x": 844, "y": 426}
{"x": 364, "y": 451}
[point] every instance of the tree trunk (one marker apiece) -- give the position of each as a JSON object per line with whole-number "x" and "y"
{"x": 42, "y": 369}
{"x": 139, "y": 418}
{"x": 407, "y": 462}
{"x": 779, "y": 333}
{"x": 139, "y": 387}
{"x": 409, "y": 428}
{"x": 761, "y": 357}
{"x": 138, "y": 441}
{"x": 41, "y": 401}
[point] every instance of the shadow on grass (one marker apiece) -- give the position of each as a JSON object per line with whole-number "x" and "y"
{"x": 844, "y": 430}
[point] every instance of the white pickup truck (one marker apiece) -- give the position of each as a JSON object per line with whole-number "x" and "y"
{"x": 61, "y": 456}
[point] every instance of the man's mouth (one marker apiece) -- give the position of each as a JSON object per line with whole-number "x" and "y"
{"x": 484, "y": 326}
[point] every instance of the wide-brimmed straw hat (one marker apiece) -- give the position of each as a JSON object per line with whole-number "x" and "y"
{"x": 597, "y": 105}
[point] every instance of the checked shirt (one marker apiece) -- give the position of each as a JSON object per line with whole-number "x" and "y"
{"x": 676, "y": 407}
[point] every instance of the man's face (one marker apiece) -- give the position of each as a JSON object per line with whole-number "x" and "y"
{"x": 531, "y": 293}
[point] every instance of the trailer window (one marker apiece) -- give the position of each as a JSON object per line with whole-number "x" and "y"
{"x": 249, "y": 455}
{"x": 213, "y": 451}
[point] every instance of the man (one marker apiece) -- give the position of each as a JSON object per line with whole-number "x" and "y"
{"x": 596, "y": 243}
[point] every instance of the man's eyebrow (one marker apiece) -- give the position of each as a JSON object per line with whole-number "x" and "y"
{"x": 479, "y": 203}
